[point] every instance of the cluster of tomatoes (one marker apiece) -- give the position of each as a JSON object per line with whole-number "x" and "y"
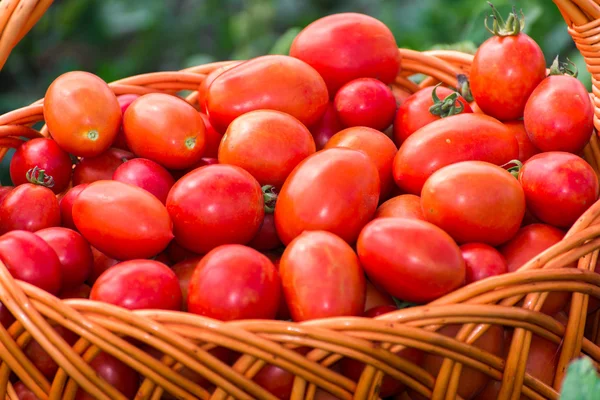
{"x": 303, "y": 187}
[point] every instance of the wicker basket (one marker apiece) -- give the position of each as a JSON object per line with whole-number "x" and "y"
{"x": 510, "y": 300}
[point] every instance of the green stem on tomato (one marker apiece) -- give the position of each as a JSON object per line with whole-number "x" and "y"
{"x": 447, "y": 107}
{"x": 38, "y": 176}
{"x": 563, "y": 68}
{"x": 464, "y": 87}
{"x": 513, "y": 25}
{"x": 515, "y": 169}
{"x": 270, "y": 198}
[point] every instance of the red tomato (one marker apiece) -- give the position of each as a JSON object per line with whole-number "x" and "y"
{"x": 78, "y": 292}
{"x": 449, "y": 141}
{"x": 464, "y": 198}
{"x": 28, "y": 258}
{"x": 125, "y": 101}
{"x": 380, "y": 310}
{"x": 184, "y": 270}
{"x": 118, "y": 374}
{"x": 410, "y": 259}
{"x": 44, "y": 154}
{"x": 178, "y": 254}
{"x": 29, "y": 207}
{"x": 203, "y": 88}
{"x": 212, "y": 138}
{"x": 122, "y": 220}
{"x": 322, "y": 277}
{"x": 376, "y": 297}
{"x": 526, "y": 148}
{"x": 482, "y": 261}
{"x": 365, "y": 102}
{"x": 327, "y": 126}
{"x": 82, "y": 113}
{"x": 41, "y": 359}
{"x": 234, "y": 282}
{"x": 266, "y": 238}
{"x": 74, "y": 254}
{"x": 376, "y": 145}
{"x": 347, "y": 46}
{"x": 403, "y": 206}
{"x": 215, "y": 205}
{"x": 268, "y": 144}
{"x": 4, "y": 191}
{"x": 138, "y": 285}
{"x": 66, "y": 205}
{"x": 147, "y": 175}
{"x": 559, "y": 187}
{"x": 415, "y": 111}
{"x": 273, "y": 82}
{"x": 102, "y": 262}
{"x": 23, "y": 392}
{"x": 102, "y": 167}
{"x": 343, "y": 191}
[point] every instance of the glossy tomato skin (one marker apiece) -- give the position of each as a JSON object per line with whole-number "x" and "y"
{"x": 449, "y": 141}
{"x": 66, "y": 205}
{"x": 380, "y": 149}
{"x": 184, "y": 270}
{"x": 266, "y": 143}
{"x": 212, "y": 138}
{"x": 138, "y": 285}
{"x": 463, "y": 200}
{"x": 40, "y": 203}
{"x": 45, "y": 154}
{"x": 482, "y": 261}
{"x": 234, "y": 282}
{"x": 403, "y": 206}
{"x": 4, "y": 191}
{"x": 559, "y": 187}
{"x": 102, "y": 262}
{"x": 203, "y": 88}
{"x": 118, "y": 374}
{"x": 328, "y": 125}
{"x": 272, "y": 82}
{"x": 41, "y": 359}
{"x": 526, "y": 148}
{"x": 121, "y": 220}
{"x": 147, "y": 175}
{"x": 267, "y": 237}
{"x": 364, "y": 47}
{"x": 165, "y": 129}
{"x": 125, "y": 101}
{"x": 102, "y": 167}
{"x": 215, "y": 205}
{"x": 335, "y": 190}
{"x": 306, "y": 261}
{"x": 516, "y": 65}
{"x": 82, "y": 113}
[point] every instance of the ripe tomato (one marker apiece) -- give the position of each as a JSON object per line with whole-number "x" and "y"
{"x": 380, "y": 149}
{"x": 147, "y": 175}
{"x": 448, "y": 141}
{"x": 125, "y": 101}
{"x": 66, "y": 205}
{"x": 29, "y": 207}
{"x": 184, "y": 270}
{"x": 344, "y": 191}
{"x": 271, "y": 82}
{"x": 137, "y": 285}
{"x": 306, "y": 261}
{"x": 78, "y": 292}
{"x": 364, "y": 47}
{"x": 74, "y": 254}
{"x": 234, "y": 282}
{"x": 212, "y": 138}
{"x": 102, "y": 167}
{"x": 203, "y": 88}
{"x": 82, "y": 113}
{"x": 559, "y": 187}
{"x": 121, "y": 220}
{"x": 376, "y": 297}
{"x": 215, "y": 205}
{"x": 41, "y": 359}
{"x": 327, "y": 126}
{"x": 415, "y": 111}
{"x": 403, "y": 206}
{"x": 267, "y": 237}
{"x": 410, "y": 259}
{"x": 4, "y": 191}
{"x": 44, "y": 154}
{"x": 29, "y": 258}
{"x": 482, "y": 261}
{"x": 526, "y": 148}
{"x": 268, "y": 144}
{"x": 118, "y": 374}
{"x": 464, "y": 198}
{"x": 102, "y": 262}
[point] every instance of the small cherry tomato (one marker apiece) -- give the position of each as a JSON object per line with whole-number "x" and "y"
{"x": 118, "y": 374}
{"x": 125, "y": 101}
{"x": 526, "y": 148}
{"x": 66, "y": 205}
{"x": 102, "y": 167}
{"x": 147, "y": 175}
{"x": 327, "y": 126}
{"x": 482, "y": 261}
{"x": 403, "y": 206}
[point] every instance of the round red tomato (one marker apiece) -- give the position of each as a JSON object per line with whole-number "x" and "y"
{"x": 526, "y": 148}
{"x": 125, "y": 101}
{"x": 267, "y": 237}
{"x": 102, "y": 262}
{"x": 29, "y": 207}
{"x": 137, "y": 285}
{"x": 147, "y": 175}
{"x": 327, "y": 126}
{"x": 41, "y": 359}
{"x": 121, "y": 220}
{"x": 212, "y": 138}
{"x": 118, "y": 374}
{"x": 322, "y": 277}
{"x": 559, "y": 187}
{"x": 335, "y": 190}
{"x": 347, "y": 46}
{"x": 165, "y": 129}
{"x": 215, "y": 205}
{"x": 403, "y": 206}
{"x": 82, "y": 113}
{"x": 66, "y": 205}
{"x": 184, "y": 270}
{"x": 482, "y": 261}
{"x": 102, "y": 167}
{"x": 234, "y": 282}
{"x": 464, "y": 199}
{"x": 410, "y": 259}
{"x": 268, "y": 144}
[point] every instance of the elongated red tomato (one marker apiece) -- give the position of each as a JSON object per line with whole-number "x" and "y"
{"x": 121, "y": 220}
{"x": 335, "y": 190}
{"x": 403, "y": 206}
{"x": 448, "y": 141}
{"x": 271, "y": 82}
{"x": 306, "y": 262}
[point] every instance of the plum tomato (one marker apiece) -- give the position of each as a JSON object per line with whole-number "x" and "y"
{"x": 335, "y": 190}
{"x": 215, "y": 205}
{"x": 212, "y": 138}
{"x": 41, "y": 359}
{"x": 118, "y": 374}
{"x": 364, "y": 48}
{"x": 125, "y": 101}
{"x": 482, "y": 261}
{"x": 267, "y": 237}
{"x": 78, "y": 292}
{"x": 410, "y": 259}
{"x": 44, "y": 154}
{"x": 559, "y": 187}
{"x": 184, "y": 270}
{"x": 165, "y": 129}
{"x": 306, "y": 261}
{"x": 234, "y": 282}
{"x": 203, "y": 88}
{"x": 138, "y": 285}
{"x": 464, "y": 198}
{"x": 273, "y": 82}
{"x": 101, "y": 167}
{"x": 448, "y": 141}
{"x": 147, "y": 175}
{"x": 327, "y": 126}
{"x": 266, "y": 143}
{"x": 66, "y": 205}
{"x": 102, "y": 262}
{"x": 526, "y": 148}
{"x": 403, "y": 206}
{"x": 376, "y": 298}
{"x": 380, "y": 149}
{"x": 121, "y": 220}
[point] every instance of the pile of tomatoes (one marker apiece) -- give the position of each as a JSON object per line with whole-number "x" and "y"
{"x": 301, "y": 187}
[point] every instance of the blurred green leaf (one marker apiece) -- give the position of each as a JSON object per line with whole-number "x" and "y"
{"x": 581, "y": 381}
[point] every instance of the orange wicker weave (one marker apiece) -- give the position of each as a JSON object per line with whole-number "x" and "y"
{"x": 186, "y": 338}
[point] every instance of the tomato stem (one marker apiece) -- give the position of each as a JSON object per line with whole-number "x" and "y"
{"x": 515, "y": 169}
{"x": 464, "y": 87}
{"x": 93, "y": 135}
{"x": 513, "y": 25}
{"x": 270, "y": 197}
{"x": 190, "y": 142}
{"x": 38, "y": 176}
{"x": 447, "y": 107}
{"x": 563, "y": 68}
